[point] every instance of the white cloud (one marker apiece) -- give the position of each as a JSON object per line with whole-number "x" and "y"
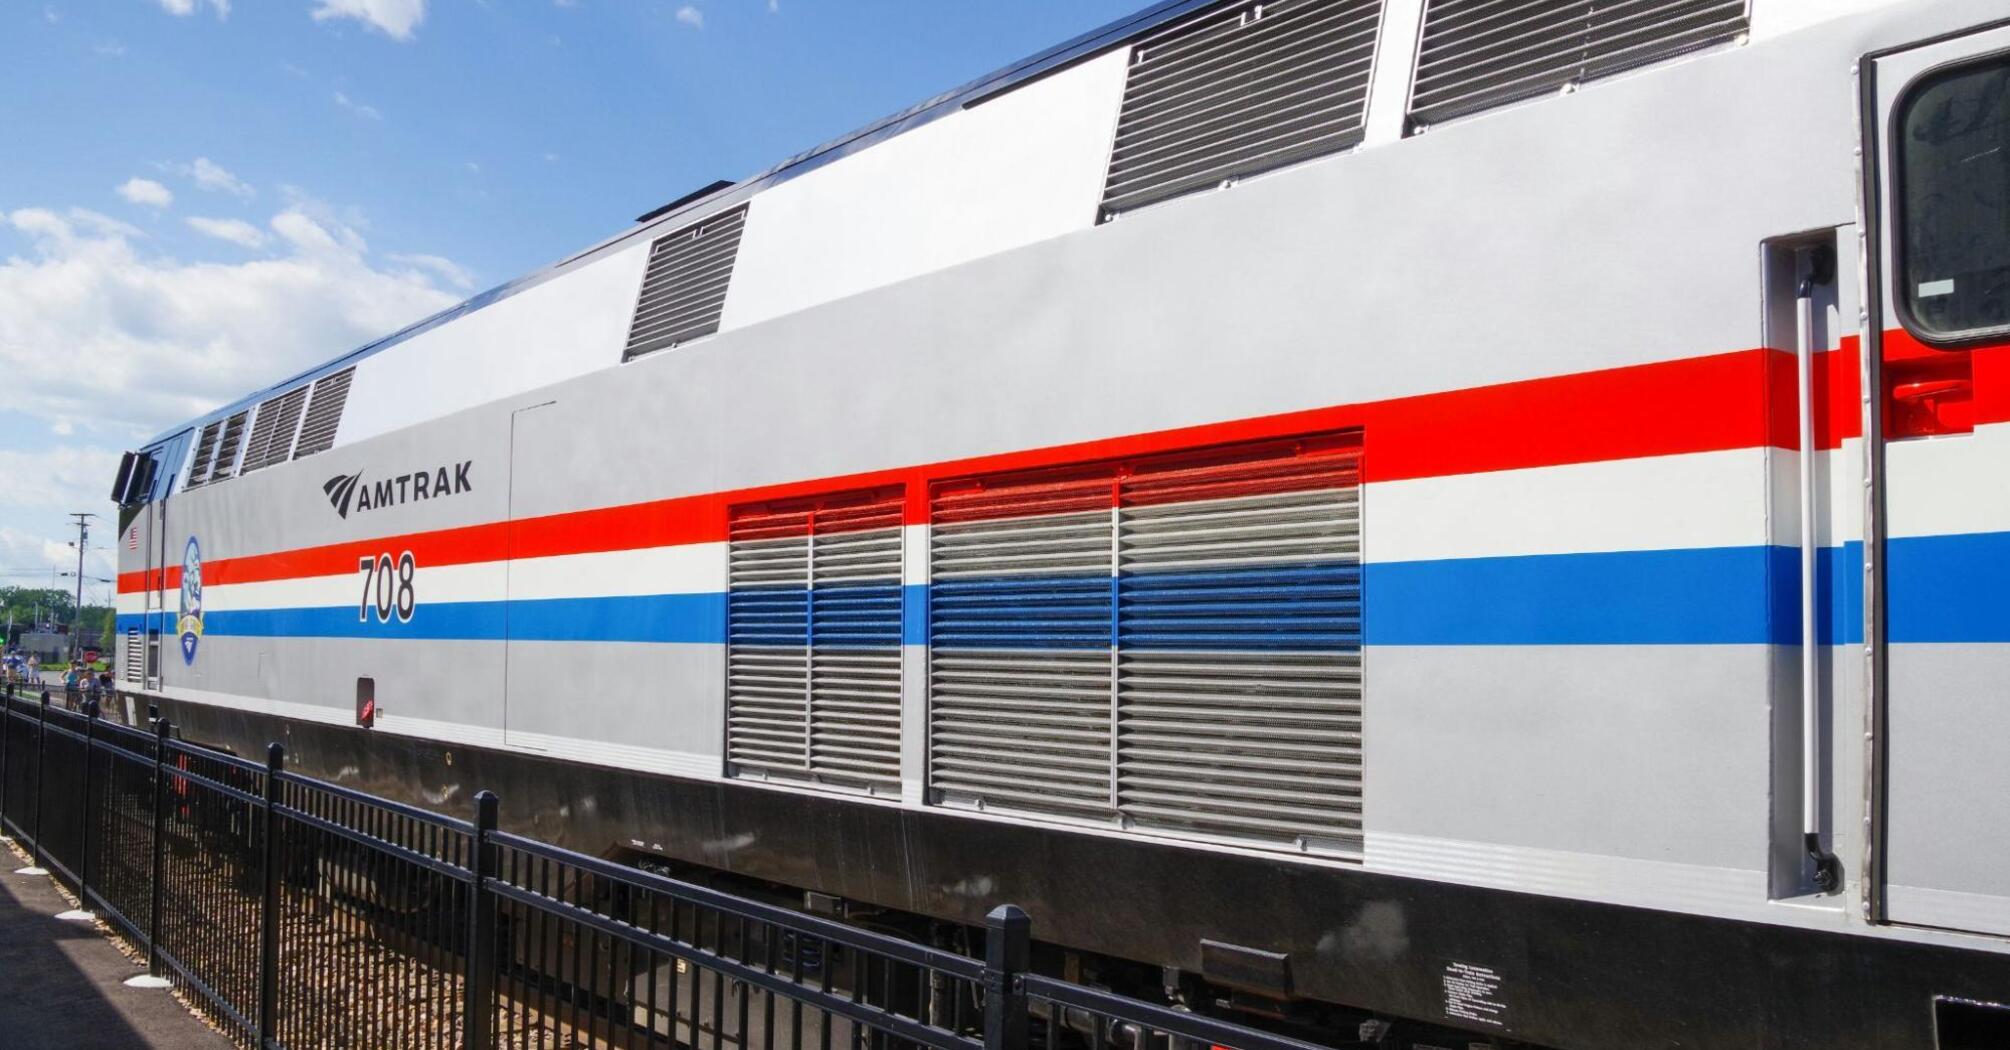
{"x": 60, "y": 478}
{"x": 448, "y": 270}
{"x": 774, "y": 7}
{"x": 236, "y": 231}
{"x": 358, "y": 108}
{"x": 169, "y": 339}
{"x": 110, "y": 49}
{"x": 103, "y": 225}
{"x": 22, "y": 552}
{"x": 51, "y": 15}
{"x": 183, "y": 8}
{"x": 145, "y": 191}
{"x": 209, "y": 175}
{"x": 691, "y": 16}
{"x": 394, "y": 18}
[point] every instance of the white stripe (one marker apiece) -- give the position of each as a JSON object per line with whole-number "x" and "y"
{"x": 695, "y": 568}
{"x": 1704, "y": 499}
{"x": 1945, "y": 485}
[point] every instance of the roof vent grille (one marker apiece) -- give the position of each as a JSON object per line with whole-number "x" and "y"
{"x": 684, "y": 288}
{"x": 1477, "y": 54}
{"x": 227, "y": 451}
{"x": 324, "y": 413}
{"x": 1238, "y": 90}
{"x": 205, "y": 451}
{"x": 272, "y": 430}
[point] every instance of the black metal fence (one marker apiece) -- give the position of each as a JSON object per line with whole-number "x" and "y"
{"x": 300, "y": 914}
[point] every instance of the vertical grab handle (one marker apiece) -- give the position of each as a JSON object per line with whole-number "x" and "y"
{"x": 1817, "y": 268}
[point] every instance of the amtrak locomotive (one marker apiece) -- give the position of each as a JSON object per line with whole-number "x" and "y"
{"x": 1479, "y": 521}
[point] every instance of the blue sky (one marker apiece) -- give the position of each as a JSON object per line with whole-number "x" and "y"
{"x": 200, "y": 196}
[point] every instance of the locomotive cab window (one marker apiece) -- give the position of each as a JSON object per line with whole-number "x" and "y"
{"x": 1953, "y": 189}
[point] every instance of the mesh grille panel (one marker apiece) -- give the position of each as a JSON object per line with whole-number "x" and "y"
{"x": 205, "y": 452}
{"x": 1477, "y": 54}
{"x": 813, "y": 639}
{"x": 1240, "y": 89}
{"x": 1172, "y": 642}
{"x": 324, "y": 413}
{"x": 684, "y": 287}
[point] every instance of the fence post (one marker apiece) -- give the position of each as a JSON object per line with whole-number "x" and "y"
{"x": 41, "y": 782}
{"x": 6, "y": 745}
{"x": 1007, "y": 947}
{"x": 152, "y": 978}
{"x": 82, "y": 912}
{"x": 268, "y": 923}
{"x": 478, "y": 1012}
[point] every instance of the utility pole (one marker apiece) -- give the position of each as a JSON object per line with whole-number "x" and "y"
{"x": 77, "y": 610}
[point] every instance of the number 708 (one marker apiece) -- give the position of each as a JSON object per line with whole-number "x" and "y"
{"x": 387, "y": 588}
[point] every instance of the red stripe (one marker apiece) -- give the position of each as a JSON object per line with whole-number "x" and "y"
{"x": 1742, "y": 399}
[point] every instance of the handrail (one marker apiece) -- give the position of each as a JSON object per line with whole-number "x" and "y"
{"x": 269, "y": 903}
{"x": 378, "y": 802}
{"x": 838, "y": 933}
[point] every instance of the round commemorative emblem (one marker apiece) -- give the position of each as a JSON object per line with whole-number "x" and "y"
{"x": 190, "y": 623}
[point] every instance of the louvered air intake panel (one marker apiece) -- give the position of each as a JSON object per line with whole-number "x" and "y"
{"x": 227, "y": 450}
{"x": 205, "y": 454}
{"x": 813, "y": 640}
{"x": 1239, "y": 633}
{"x": 272, "y": 430}
{"x": 684, "y": 287}
{"x": 1477, "y": 54}
{"x": 1019, "y": 642}
{"x": 135, "y": 656}
{"x": 324, "y": 413}
{"x": 1169, "y": 643}
{"x": 1240, "y": 89}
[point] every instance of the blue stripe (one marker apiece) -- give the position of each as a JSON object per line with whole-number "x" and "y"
{"x": 1949, "y": 588}
{"x": 1943, "y": 589}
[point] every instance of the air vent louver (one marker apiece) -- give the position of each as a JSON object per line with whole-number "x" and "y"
{"x": 1019, "y": 635}
{"x": 684, "y": 287}
{"x": 1238, "y": 90}
{"x": 205, "y": 452}
{"x": 1477, "y": 54}
{"x": 272, "y": 431}
{"x": 135, "y": 656}
{"x": 227, "y": 450}
{"x": 324, "y": 413}
{"x": 1172, "y": 643}
{"x": 813, "y": 640}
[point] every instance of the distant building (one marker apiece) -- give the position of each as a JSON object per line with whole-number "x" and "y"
{"x": 49, "y": 645}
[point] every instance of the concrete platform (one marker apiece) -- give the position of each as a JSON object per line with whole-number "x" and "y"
{"x": 61, "y": 982}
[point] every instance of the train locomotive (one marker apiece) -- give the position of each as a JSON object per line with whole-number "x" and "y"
{"x": 1478, "y": 521}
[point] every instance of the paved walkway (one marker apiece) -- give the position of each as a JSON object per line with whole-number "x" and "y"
{"x": 60, "y": 982}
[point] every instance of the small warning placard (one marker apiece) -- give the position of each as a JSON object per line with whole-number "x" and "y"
{"x": 1472, "y": 993}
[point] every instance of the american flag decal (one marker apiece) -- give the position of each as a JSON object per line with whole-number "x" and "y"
{"x": 133, "y": 538}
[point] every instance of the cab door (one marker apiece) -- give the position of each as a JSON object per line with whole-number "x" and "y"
{"x": 1937, "y": 336}
{"x": 160, "y": 468}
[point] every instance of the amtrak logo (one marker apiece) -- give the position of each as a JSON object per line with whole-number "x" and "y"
{"x": 348, "y": 492}
{"x": 339, "y": 488}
